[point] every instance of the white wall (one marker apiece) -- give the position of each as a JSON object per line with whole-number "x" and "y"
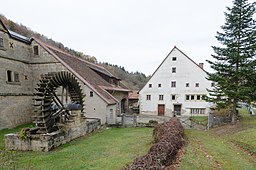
{"x": 186, "y": 72}
{"x": 95, "y": 107}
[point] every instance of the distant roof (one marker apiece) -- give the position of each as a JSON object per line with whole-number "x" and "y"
{"x": 87, "y": 72}
{"x": 134, "y": 95}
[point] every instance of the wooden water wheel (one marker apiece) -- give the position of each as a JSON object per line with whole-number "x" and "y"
{"x": 57, "y": 94}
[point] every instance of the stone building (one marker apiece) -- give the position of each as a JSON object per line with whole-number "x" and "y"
{"x": 24, "y": 60}
{"x": 178, "y": 86}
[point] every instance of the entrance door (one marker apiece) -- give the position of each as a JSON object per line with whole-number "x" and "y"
{"x": 123, "y": 103}
{"x": 177, "y": 109}
{"x": 161, "y": 109}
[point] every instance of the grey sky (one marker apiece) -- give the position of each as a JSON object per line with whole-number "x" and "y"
{"x": 136, "y": 34}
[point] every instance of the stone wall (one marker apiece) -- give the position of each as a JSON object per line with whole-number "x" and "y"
{"x": 15, "y": 110}
{"x": 140, "y": 120}
{"x": 48, "y": 141}
{"x": 217, "y": 120}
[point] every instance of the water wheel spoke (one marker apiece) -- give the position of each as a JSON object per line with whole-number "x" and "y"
{"x": 57, "y": 100}
{"x": 49, "y": 105}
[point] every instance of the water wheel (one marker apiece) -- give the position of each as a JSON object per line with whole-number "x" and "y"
{"x": 57, "y": 94}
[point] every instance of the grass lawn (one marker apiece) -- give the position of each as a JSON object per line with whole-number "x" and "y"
{"x": 208, "y": 151}
{"x": 202, "y": 120}
{"x": 106, "y": 149}
{"x": 223, "y": 147}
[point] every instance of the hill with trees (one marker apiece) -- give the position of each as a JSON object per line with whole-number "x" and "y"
{"x": 133, "y": 80}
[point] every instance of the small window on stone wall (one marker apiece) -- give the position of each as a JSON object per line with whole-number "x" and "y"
{"x": 1, "y": 42}
{"x": 9, "y": 76}
{"x": 16, "y": 77}
{"x": 36, "y": 51}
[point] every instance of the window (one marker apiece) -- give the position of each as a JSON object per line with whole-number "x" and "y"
{"x": 197, "y": 110}
{"x": 173, "y": 84}
{"x": 36, "y": 51}
{"x": 187, "y": 97}
{"x": 198, "y": 97}
{"x": 173, "y": 97}
{"x": 111, "y": 115}
{"x": 159, "y": 85}
{"x": 174, "y": 58}
{"x": 91, "y": 93}
{"x": 148, "y": 97}
{"x": 9, "y": 76}
{"x": 173, "y": 69}
{"x": 197, "y": 84}
{"x": 192, "y": 97}
{"x": 1, "y": 42}
{"x": 212, "y": 84}
{"x": 161, "y": 97}
{"x": 150, "y": 85}
{"x": 16, "y": 77}
{"x": 187, "y": 84}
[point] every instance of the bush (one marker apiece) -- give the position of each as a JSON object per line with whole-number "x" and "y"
{"x": 168, "y": 139}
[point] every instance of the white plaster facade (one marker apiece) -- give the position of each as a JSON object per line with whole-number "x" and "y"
{"x": 176, "y": 87}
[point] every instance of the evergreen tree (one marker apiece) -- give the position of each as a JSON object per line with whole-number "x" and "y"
{"x": 234, "y": 61}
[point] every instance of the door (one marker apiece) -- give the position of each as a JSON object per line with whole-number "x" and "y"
{"x": 177, "y": 109}
{"x": 161, "y": 109}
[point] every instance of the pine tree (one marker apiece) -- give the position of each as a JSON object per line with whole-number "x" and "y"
{"x": 234, "y": 62}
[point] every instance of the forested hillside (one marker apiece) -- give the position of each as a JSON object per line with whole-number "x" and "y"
{"x": 133, "y": 80}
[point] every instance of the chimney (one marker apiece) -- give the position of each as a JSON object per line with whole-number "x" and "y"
{"x": 201, "y": 65}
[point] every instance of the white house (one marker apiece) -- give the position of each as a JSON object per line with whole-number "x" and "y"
{"x": 178, "y": 86}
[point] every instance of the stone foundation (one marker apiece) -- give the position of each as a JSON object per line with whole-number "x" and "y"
{"x": 48, "y": 141}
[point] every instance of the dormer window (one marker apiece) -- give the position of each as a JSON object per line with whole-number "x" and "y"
{"x": 1, "y": 42}
{"x": 36, "y": 51}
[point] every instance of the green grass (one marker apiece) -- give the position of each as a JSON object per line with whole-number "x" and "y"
{"x": 202, "y": 120}
{"x": 208, "y": 151}
{"x": 246, "y": 140}
{"x": 107, "y": 149}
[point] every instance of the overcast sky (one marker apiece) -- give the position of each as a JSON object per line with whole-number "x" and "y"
{"x": 136, "y": 34}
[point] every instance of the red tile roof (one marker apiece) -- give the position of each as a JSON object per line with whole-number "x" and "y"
{"x": 87, "y": 72}
{"x": 134, "y": 95}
